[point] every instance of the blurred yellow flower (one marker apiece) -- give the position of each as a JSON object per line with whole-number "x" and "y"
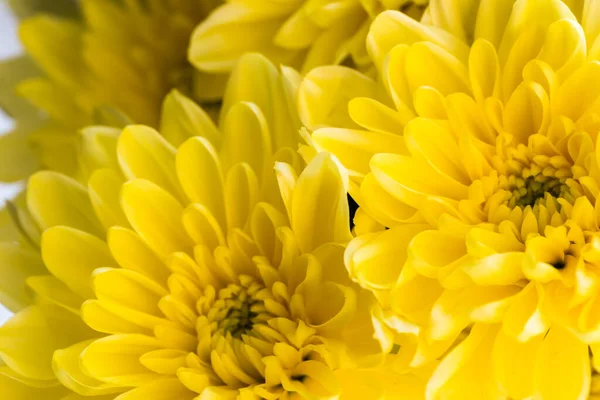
{"x": 479, "y": 152}
{"x": 94, "y": 62}
{"x": 219, "y": 277}
{"x": 301, "y": 33}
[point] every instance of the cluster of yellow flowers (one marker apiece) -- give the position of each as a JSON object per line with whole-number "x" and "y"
{"x": 302, "y": 200}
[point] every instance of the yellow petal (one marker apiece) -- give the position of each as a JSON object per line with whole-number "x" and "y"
{"x": 57, "y": 148}
{"x": 319, "y": 205}
{"x": 73, "y": 255}
{"x": 112, "y": 319}
{"x": 246, "y": 139}
{"x": 375, "y": 116}
{"x": 17, "y": 160}
{"x": 55, "y": 99}
{"x": 565, "y": 47}
{"x": 355, "y": 148}
{"x": 129, "y": 289}
{"x": 467, "y": 363}
{"x": 104, "y": 187}
{"x": 183, "y": 119}
{"x": 379, "y": 384}
{"x": 451, "y": 249}
{"x": 68, "y": 371}
{"x": 201, "y": 175}
{"x": 256, "y": 80}
{"x": 428, "y": 140}
{"x": 497, "y": 269}
{"x": 457, "y": 17}
{"x": 15, "y": 390}
{"x": 410, "y": 180}
{"x": 298, "y": 31}
{"x": 241, "y": 194}
{"x": 319, "y": 96}
{"x": 53, "y": 44}
{"x": 484, "y": 70}
{"x": 559, "y": 349}
{"x": 164, "y": 389}
{"x": 392, "y": 28}
{"x": 30, "y": 337}
{"x": 428, "y": 64}
{"x": 527, "y": 316}
{"x": 16, "y": 70}
{"x": 527, "y": 111}
{"x": 263, "y": 224}
{"x": 230, "y": 31}
{"x": 144, "y": 154}
{"x": 330, "y": 307}
{"x": 99, "y": 147}
{"x": 115, "y": 359}
{"x": 48, "y": 288}
{"x": 16, "y": 265}
{"x": 156, "y": 216}
{"x": 131, "y": 252}
{"x": 377, "y": 260}
{"x": 583, "y": 83}
{"x": 54, "y": 199}
{"x": 382, "y": 206}
{"x": 202, "y": 226}
{"x": 166, "y": 361}
{"x": 514, "y": 364}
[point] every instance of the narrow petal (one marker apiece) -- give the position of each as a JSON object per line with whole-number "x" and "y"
{"x": 319, "y": 205}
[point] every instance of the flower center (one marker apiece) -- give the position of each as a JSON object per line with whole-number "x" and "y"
{"x": 528, "y": 191}
{"x": 531, "y": 178}
{"x": 236, "y": 309}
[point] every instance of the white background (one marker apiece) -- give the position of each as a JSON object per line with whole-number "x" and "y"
{"x": 9, "y": 47}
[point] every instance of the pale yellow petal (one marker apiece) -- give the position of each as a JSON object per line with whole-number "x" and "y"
{"x": 30, "y": 337}
{"x": 15, "y": 390}
{"x": 183, "y": 119}
{"x": 73, "y": 255}
{"x": 55, "y": 199}
{"x": 16, "y": 265}
{"x": 104, "y": 188}
{"x": 17, "y": 160}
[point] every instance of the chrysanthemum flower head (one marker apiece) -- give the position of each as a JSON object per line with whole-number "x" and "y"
{"x": 218, "y": 278}
{"x": 479, "y": 152}
{"x": 300, "y": 33}
{"x": 98, "y": 62}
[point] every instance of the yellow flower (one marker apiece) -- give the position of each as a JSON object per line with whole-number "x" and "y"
{"x": 300, "y": 33}
{"x": 96, "y": 62}
{"x": 218, "y": 278}
{"x": 479, "y": 153}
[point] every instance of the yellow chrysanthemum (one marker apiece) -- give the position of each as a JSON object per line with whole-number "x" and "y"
{"x": 300, "y": 33}
{"x": 216, "y": 280}
{"x": 479, "y": 153}
{"x": 101, "y": 61}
